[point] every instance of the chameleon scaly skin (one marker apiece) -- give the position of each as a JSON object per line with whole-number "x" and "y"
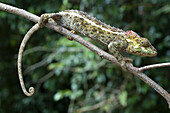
{"x": 116, "y": 39}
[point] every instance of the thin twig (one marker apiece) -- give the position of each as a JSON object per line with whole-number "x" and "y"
{"x": 112, "y": 99}
{"x": 38, "y": 48}
{"x": 44, "y": 78}
{"x": 71, "y": 105}
{"x": 45, "y": 61}
{"x": 47, "y": 76}
{"x": 98, "y": 105}
{"x": 36, "y": 65}
{"x": 92, "y": 47}
{"x": 154, "y": 66}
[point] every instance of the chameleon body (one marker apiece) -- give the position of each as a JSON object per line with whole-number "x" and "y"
{"x": 116, "y": 39}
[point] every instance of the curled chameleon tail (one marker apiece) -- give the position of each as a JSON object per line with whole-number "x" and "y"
{"x": 40, "y": 24}
{"x": 22, "y": 46}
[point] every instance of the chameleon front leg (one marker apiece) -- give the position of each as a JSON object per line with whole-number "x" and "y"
{"x": 117, "y": 55}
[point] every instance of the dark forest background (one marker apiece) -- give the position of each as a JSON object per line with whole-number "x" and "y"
{"x": 67, "y": 76}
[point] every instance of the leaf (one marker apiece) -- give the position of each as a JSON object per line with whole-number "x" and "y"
{"x": 58, "y": 96}
{"x": 123, "y": 98}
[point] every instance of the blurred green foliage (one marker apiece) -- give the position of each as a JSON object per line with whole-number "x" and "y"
{"x": 67, "y": 76}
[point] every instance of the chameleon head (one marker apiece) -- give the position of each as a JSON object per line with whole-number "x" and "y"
{"x": 138, "y": 45}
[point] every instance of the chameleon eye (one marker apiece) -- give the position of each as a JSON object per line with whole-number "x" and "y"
{"x": 144, "y": 42}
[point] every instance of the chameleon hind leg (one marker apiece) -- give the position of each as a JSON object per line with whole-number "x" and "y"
{"x": 117, "y": 55}
{"x": 52, "y": 18}
{"x": 47, "y": 17}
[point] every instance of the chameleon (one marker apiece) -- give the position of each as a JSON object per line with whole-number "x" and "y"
{"x": 116, "y": 39}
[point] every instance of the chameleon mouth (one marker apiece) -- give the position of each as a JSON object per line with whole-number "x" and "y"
{"x": 149, "y": 51}
{"x": 144, "y": 51}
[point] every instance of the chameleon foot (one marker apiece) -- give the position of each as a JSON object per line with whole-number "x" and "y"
{"x": 127, "y": 59}
{"x": 69, "y": 37}
{"x": 44, "y": 19}
{"x": 123, "y": 65}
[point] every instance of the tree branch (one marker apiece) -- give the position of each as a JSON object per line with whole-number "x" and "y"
{"x": 154, "y": 66}
{"x": 90, "y": 46}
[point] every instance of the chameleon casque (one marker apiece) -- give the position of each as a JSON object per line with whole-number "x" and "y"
{"x": 116, "y": 39}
